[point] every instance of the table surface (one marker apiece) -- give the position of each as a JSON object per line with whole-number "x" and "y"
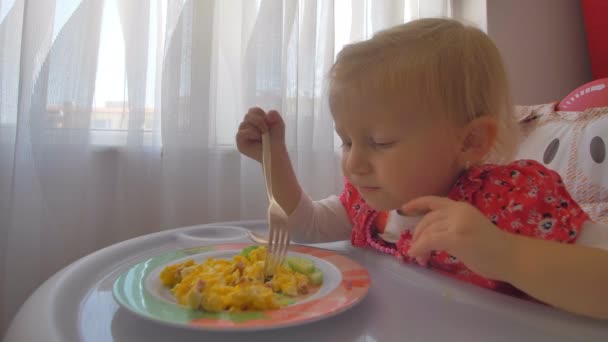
{"x": 405, "y": 303}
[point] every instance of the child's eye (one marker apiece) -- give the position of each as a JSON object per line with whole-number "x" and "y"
{"x": 383, "y": 144}
{"x": 346, "y": 145}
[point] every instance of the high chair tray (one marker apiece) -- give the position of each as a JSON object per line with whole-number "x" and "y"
{"x": 404, "y": 302}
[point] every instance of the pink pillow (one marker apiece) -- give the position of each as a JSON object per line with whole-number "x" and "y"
{"x": 591, "y": 95}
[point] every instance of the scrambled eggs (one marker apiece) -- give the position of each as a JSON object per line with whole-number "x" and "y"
{"x": 234, "y": 285}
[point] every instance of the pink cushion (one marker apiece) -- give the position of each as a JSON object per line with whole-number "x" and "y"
{"x": 591, "y": 95}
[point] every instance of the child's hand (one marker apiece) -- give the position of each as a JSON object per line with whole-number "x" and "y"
{"x": 461, "y": 230}
{"x": 255, "y": 123}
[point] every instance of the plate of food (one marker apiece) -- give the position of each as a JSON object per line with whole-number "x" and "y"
{"x": 223, "y": 287}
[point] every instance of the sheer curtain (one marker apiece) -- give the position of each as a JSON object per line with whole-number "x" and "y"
{"x": 117, "y": 118}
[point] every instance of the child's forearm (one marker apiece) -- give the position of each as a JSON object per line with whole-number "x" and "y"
{"x": 571, "y": 277}
{"x": 285, "y": 186}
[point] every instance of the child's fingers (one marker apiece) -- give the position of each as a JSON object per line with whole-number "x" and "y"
{"x": 257, "y": 117}
{"x": 274, "y": 118}
{"x": 247, "y": 128}
{"x": 256, "y": 110}
{"x": 243, "y": 125}
{"x": 425, "y": 204}
{"x": 277, "y": 126}
{"x": 431, "y": 241}
{"x": 426, "y": 221}
{"x": 250, "y": 134}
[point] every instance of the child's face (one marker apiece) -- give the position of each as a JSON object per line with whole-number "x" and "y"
{"x": 392, "y": 155}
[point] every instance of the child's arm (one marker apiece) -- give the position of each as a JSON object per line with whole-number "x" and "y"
{"x": 286, "y": 188}
{"x": 319, "y": 221}
{"x": 571, "y": 277}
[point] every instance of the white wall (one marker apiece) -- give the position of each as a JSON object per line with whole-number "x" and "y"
{"x": 472, "y": 12}
{"x": 543, "y": 44}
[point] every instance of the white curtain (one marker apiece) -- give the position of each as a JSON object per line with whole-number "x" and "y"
{"x": 117, "y": 118}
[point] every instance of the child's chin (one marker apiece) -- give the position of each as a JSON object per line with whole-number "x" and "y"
{"x": 378, "y": 205}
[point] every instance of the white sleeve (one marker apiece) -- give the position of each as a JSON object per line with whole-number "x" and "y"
{"x": 594, "y": 235}
{"x": 319, "y": 221}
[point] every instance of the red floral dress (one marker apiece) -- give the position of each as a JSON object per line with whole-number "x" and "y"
{"x": 523, "y": 198}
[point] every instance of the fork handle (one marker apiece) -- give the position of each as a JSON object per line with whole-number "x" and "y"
{"x": 267, "y": 164}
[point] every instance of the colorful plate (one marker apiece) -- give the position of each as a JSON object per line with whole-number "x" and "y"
{"x": 139, "y": 290}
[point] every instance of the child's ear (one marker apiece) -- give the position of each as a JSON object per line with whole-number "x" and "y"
{"x": 479, "y": 138}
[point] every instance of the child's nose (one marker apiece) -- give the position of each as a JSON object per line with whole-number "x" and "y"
{"x": 356, "y": 161}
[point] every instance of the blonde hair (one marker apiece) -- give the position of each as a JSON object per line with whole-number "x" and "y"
{"x": 441, "y": 67}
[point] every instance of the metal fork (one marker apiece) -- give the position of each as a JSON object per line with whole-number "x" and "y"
{"x": 278, "y": 237}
